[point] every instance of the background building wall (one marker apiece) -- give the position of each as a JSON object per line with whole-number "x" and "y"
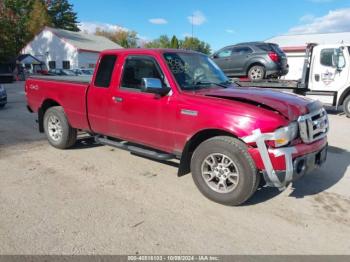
{"x": 296, "y": 64}
{"x": 87, "y": 59}
{"x": 48, "y": 47}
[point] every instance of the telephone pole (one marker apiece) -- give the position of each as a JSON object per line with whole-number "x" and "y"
{"x": 192, "y": 25}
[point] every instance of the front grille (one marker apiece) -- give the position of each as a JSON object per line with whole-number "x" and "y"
{"x": 313, "y": 126}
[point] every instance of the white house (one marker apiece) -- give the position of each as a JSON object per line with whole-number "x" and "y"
{"x": 295, "y": 45}
{"x": 59, "y": 48}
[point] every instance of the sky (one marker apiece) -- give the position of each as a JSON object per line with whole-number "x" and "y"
{"x": 218, "y": 22}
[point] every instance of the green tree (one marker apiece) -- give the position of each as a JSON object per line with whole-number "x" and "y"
{"x": 161, "y": 42}
{"x": 193, "y": 43}
{"x": 190, "y": 43}
{"x": 38, "y": 18}
{"x": 14, "y": 16}
{"x": 174, "y": 43}
{"x": 62, "y": 15}
{"x": 126, "y": 39}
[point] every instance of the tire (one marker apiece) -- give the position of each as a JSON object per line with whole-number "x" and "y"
{"x": 241, "y": 178}
{"x": 58, "y": 131}
{"x": 346, "y": 106}
{"x": 256, "y": 72}
{"x": 2, "y": 106}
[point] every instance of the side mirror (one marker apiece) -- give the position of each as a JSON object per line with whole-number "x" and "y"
{"x": 215, "y": 55}
{"x": 338, "y": 60}
{"x": 154, "y": 85}
{"x": 335, "y": 59}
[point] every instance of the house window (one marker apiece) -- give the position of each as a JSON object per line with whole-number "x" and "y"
{"x": 52, "y": 64}
{"x": 66, "y": 64}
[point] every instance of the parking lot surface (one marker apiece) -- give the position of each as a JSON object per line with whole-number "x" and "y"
{"x": 99, "y": 200}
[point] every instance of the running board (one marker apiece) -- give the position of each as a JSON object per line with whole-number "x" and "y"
{"x": 134, "y": 149}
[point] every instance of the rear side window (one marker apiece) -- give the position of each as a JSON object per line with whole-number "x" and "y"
{"x": 265, "y": 47}
{"x": 105, "y": 70}
{"x": 277, "y": 49}
{"x": 242, "y": 50}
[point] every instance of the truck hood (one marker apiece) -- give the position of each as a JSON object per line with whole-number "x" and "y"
{"x": 289, "y": 105}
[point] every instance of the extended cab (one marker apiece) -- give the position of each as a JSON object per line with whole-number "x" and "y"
{"x": 173, "y": 104}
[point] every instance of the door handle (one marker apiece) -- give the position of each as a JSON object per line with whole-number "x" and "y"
{"x": 117, "y": 99}
{"x": 317, "y": 77}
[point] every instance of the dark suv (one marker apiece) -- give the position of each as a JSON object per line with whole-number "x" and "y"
{"x": 257, "y": 60}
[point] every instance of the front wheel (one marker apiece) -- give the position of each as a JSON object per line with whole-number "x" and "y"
{"x": 57, "y": 128}
{"x": 223, "y": 170}
{"x": 346, "y": 106}
{"x": 256, "y": 72}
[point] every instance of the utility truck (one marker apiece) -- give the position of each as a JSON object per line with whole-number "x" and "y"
{"x": 325, "y": 76}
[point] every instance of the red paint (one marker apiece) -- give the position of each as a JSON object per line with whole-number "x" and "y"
{"x": 294, "y": 48}
{"x": 279, "y": 163}
{"x": 158, "y": 122}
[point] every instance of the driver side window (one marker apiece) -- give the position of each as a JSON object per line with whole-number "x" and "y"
{"x": 138, "y": 67}
{"x": 327, "y": 56}
{"x": 333, "y": 57}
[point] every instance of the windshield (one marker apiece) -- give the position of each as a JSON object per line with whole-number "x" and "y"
{"x": 195, "y": 71}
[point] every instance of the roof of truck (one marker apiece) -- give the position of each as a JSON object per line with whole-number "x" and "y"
{"x": 149, "y": 50}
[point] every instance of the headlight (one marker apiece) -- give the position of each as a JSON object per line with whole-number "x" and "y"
{"x": 285, "y": 135}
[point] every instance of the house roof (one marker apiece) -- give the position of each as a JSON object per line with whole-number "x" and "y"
{"x": 83, "y": 41}
{"x": 298, "y": 42}
{"x": 27, "y": 59}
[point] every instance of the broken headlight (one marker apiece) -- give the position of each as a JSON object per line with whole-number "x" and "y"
{"x": 285, "y": 135}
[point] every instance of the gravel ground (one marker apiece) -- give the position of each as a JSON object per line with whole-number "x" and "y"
{"x": 99, "y": 200}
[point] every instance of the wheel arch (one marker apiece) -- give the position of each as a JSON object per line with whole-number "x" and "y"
{"x": 344, "y": 95}
{"x": 47, "y": 103}
{"x": 255, "y": 63}
{"x": 194, "y": 142}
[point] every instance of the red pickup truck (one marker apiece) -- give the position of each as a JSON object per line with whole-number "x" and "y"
{"x": 174, "y": 104}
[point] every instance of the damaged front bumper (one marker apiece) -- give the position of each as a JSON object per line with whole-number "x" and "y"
{"x": 280, "y": 166}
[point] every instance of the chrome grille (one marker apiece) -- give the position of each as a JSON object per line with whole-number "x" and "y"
{"x": 313, "y": 126}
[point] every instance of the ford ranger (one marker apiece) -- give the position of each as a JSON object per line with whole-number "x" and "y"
{"x": 175, "y": 104}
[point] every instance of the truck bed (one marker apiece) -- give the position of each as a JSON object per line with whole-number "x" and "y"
{"x": 67, "y": 91}
{"x": 69, "y": 79}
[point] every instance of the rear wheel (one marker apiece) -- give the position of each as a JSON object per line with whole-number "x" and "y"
{"x": 2, "y": 106}
{"x": 256, "y": 72}
{"x": 57, "y": 128}
{"x": 346, "y": 106}
{"x": 223, "y": 170}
